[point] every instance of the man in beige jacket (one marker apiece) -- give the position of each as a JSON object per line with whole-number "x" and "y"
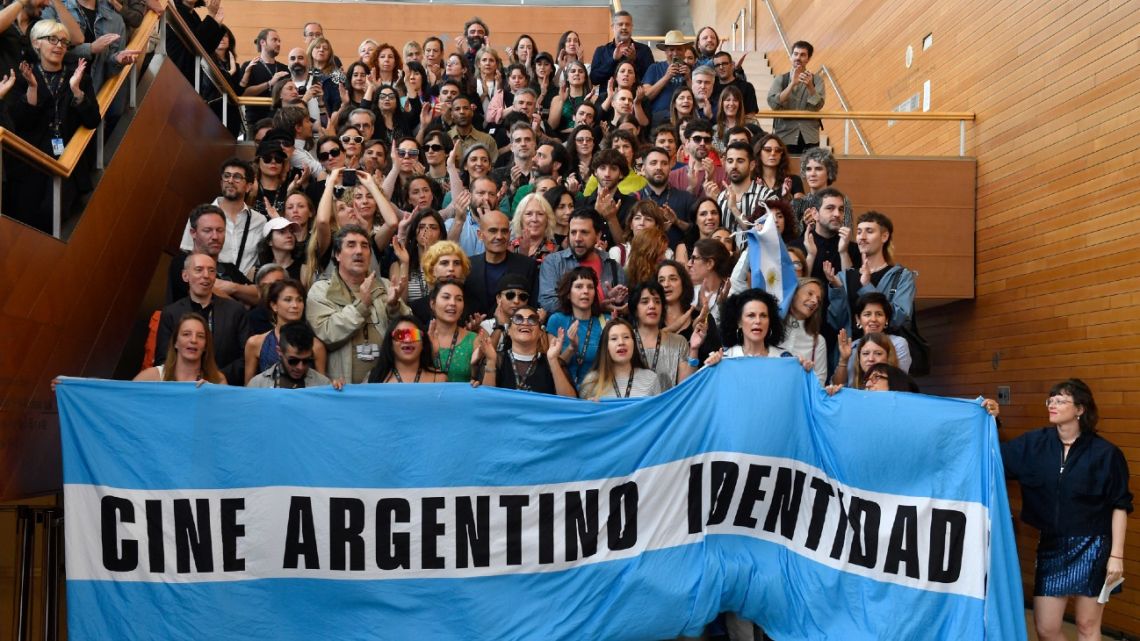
{"x": 351, "y": 311}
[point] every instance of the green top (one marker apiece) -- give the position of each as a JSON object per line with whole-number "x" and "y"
{"x": 458, "y": 367}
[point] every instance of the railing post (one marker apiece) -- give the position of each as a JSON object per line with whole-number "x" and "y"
{"x": 132, "y": 96}
{"x": 846, "y": 136}
{"x": 25, "y": 553}
{"x": 225, "y": 109}
{"x": 99, "y": 145}
{"x": 197, "y": 74}
{"x": 56, "y": 206}
{"x": 733, "y": 37}
{"x": 161, "y": 46}
{"x": 961, "y": 137}
{"x": 53, "y": 527}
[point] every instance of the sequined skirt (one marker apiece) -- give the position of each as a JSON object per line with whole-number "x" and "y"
{"x": 1071, "y": 565}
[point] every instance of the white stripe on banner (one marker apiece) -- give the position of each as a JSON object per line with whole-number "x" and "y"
{"x": 190, "y": 536}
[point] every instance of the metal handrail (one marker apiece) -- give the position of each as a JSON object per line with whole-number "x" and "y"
{"x": 203, "y": 57}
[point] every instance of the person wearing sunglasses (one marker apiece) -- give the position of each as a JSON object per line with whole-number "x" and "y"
{"x": 406, "y": 355}
{"x": 511, "y": 295}
{"x": 392, "y": 122}
{"x": 296, "y": 364}
{"x": 528, "y": 361}
{"x": 1080, "y": 507}
{"x": 435, "y": 150}
{"x": 406, "y": 162}
{"x": 273, "y": 179}
{"x": 352, "y": 140}
{"x": 702, "y": 174}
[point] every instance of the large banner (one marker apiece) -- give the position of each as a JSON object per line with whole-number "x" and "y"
{"x": 446, "y": 512}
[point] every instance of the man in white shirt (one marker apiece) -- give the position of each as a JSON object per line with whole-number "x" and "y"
{"x": 244, "y": 227}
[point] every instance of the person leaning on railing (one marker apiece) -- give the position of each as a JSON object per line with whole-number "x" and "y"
{"x": 53, "y": 99}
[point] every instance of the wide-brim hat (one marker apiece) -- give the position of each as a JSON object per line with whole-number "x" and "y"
{"x": 674, "y": 38}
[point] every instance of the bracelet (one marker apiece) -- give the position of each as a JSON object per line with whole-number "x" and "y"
{"x": 694, "y": 362}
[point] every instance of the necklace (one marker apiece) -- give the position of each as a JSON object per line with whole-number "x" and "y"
{"x": 580, "y": 356}
{"x": 656, "y": 349}
{"x": 445, "y": 367}
{"x": 628, "y": 385}
{"x": 396, "y": 373}
{"x": 522, "y": 381}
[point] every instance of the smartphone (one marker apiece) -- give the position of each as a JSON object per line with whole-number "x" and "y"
{"x": 293, "y": 174}
{"x": 348, "y": 179}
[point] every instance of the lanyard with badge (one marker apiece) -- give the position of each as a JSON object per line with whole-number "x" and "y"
{"x": 54, "y": 86}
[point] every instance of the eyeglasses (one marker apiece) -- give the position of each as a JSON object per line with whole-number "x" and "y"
{"x": 512, "y": 295}
{"x": 56, "y": 40}
{"x": 294, "y": 361}
{"x": 701, "y": 139}
{"x": 274, "y": 158}
{"x": 695, "y": 257}
{"x": 236, "y": 176}
{"x": 387, "y": 96}
{"x": 771, "y": 150}
{"x": 583, "y": 140}
{"x": 353, "y": 139}
{"x": 407, "y": 335}
{"x": 408, "y": 153}
{"x": 1056, "y": 401}
{"x": 325, "y": 155}
{"x": 434, "y": 147}
{"x": 726, "y": 63}
{"x": 528, "y": 319}
{"x": 873, "y": 378}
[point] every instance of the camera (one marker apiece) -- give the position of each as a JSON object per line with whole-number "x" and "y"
{"x": 348, "y": 178}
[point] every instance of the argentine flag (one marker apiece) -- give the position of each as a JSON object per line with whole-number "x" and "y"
{"x": 768, "y": 259}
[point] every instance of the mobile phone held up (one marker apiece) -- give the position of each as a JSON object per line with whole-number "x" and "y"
{"x": 348, "y": 178}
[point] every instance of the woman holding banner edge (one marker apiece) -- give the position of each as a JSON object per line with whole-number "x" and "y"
{"x": 1081, "y": 509}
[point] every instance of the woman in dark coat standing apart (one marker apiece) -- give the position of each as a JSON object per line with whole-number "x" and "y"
{"x": 1074, "y": 489}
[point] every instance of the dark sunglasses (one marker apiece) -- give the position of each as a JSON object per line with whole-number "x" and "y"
{"x": 433, "y": 147}
{"x": 325, "y": 155}
{"x": 519, "y": 319}
{"x": 355, "y": 139}
{"x": 275, "y": 158}
{"x": 701, "y": 139}
{"x": 294, "y": 361}
{"x": 408, "y": 153}
{"x": 387, "y": 96}
{"x": 512, "y": 295}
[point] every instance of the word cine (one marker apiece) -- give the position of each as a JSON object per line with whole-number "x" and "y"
{"x": 807, "y": 513}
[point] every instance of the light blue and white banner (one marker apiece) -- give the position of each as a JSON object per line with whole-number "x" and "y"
{"x": 446, "y": 512}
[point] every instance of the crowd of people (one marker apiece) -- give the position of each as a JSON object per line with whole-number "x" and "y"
{"x": 547, "y": 222}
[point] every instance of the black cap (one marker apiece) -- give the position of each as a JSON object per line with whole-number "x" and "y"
{"x": 267, "y": 147}
{"x": 512, "y": 281}
{"x": 544, "y": 55}
{"x": 281, "y": 136}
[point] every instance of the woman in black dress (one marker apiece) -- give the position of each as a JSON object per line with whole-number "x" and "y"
{"x": 1074, "y": 489}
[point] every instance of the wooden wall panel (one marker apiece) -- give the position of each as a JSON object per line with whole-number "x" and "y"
{"x": 347, "y": 24}
{"x": 1057, "y": 142}
{"x": 70, "y": 306}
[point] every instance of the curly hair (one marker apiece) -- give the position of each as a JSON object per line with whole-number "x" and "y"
{"x": 437, "y": 251}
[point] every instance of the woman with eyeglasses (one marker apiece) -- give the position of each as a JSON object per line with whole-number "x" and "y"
{"x": 581, "y": 146}
{"x": 1074, "y": 491}
{"x": 774, "y": 169}
{"x": 353, "y": 142}
{"x": 437, "y": 145}
{"x": 580, "y": 317}
{"x": 680, "y": 315}
{"x": 50, "y": 100}
{"x": 406, "y": 355}
{"x": 709, "y": 266}
{"x": 189, "y": 356}
{"x": 392, "y": 122}
{"x": 285, "y": 301}
{"x": 884, "y": 377}
{"x": 272, "y": 171}
{"x": 532, "y": 228}
{"x": 529, "y": 360}
{"x": 670, "y": 355}
{"x": 619, "y": 370}
{"x": 405, "y": 164}
{"x": 573, "y": 91}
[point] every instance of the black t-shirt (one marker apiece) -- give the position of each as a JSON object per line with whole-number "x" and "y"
{"x": 87, "y": 22}
{"x": 538, "y": 378}
{"x": 177, "y": 289}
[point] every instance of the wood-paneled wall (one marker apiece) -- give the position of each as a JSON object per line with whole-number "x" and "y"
{"x": 347, "y": 24}
{"x": 1057, "y": 142}
{"x": 67, "y": 308}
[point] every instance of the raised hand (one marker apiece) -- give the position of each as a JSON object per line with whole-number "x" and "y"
{"x": 102, "y": 42}
{"x": 127, "y": 56}
{"x": 7, "y": 83}
{"x": 270, "y": 210}
{"x": 401, "y": 251}
{"x": 364, "y": 294}
{"x": 844, "y": 346}
{"x": 572, "y": 335}
{"x": 77, "y": 78}
{"x": 864, "y": 271}
{"x": 832, "y": 277}
{"x": 844, "y": 238}
{"x": 399, "y": 286}
{"x": 555, "y": 348}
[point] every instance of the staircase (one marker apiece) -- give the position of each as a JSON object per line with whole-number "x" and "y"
{"x": 759, "y": 72}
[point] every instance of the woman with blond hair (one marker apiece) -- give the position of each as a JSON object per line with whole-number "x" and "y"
{"x": 532, "y": 228}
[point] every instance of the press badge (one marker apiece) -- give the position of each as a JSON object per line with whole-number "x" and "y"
{"x": 57, "y": 147}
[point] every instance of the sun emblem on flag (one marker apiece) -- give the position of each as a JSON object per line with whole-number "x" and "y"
{"x": 771, "y": 277}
